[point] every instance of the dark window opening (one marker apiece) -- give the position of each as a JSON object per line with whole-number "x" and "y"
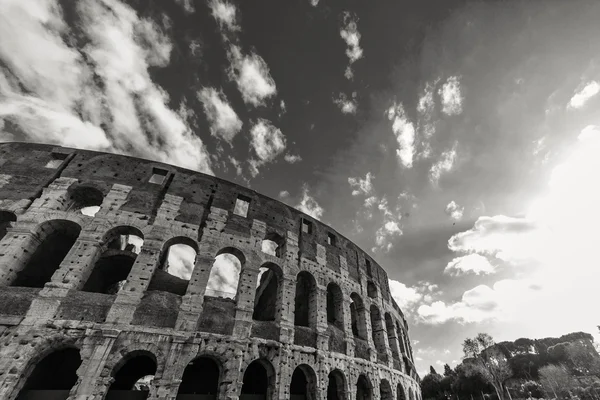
{"x": 58, "y": 238}
{"x": 256, "y": 380}
{"x": 299, "y": 385}
{"x": 57, "y": 160}
{"x": 385, "y": 390}
{"x": 267, "y": 298}
{"x": 358, "y": 318}
{"x": 158, "y": 175}
{"x": 392, "y": 337}
{"x": 176, "y": 266}
{"x": 335, "y": 304}
{"x": 242, "y": 204}
{"x": 225, "y": 274}
{"x": 371, "y": 290}
{"x": 331, "y": 239}
{"x": 85, "y": 199}
{"x": 363, "y": 389}
{"x": 336, "y": 386}
{"x": 201, "y": 376}
{"x": 135, "y": 375}
{"x": 369, "y": 269}
{"x": 6, "y": 220}
{"x": 400, "y": 393}
{"x": 305, "y": 300}
{"x": 306, "y": 226}
{"x": 57, "y": 372}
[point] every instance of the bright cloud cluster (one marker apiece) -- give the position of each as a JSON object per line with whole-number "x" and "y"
{"x": 101, "y": 98}
{"x": 555, "y": 246}
{"x": 404, "y": 130}
{"x": 347, "y": 105}
{"x": 580, "y": 98}
{"x": 267, "y": 141}
{"x": 385, "y": 234}
{"x": 471, "y": 263}
{"x": 454, "y": 211}
{"x": 443, "y": 165}
{"x": 351, "y": 36}
{"x": 409, "y": 298}
{"x": 451, "y": 97}
{"x": 223, "y": 120}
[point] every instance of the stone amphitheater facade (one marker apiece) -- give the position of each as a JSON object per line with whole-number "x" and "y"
{"x": 85, "y": 316}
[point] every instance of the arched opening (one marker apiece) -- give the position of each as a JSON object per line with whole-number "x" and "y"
{"x": 177, "y": 261}
{"x": 56, "y": 239}
{"x": 392, "y": 337}
{"x": 6, "y": 220}
{"x": 371, "y": 290}
{"x": 400, "y": 333}
{"x": 385, "y": 390}
{"x": 225, "y": 274}
{"x": 259, "y": 380}
{"x": 201, "y": 377}
{"x": 85, "y": 199}
{"x": 303, "y": 385}
{"x": 53, "y": 376}
{"x": 335, "y": 305}
{"x": 110, "y": 272}
{"x": 134, "y": 375}
{"x": 400, "y": 395}
{"x": 363, "y": 389}
{"x": 267, "y": 300}
{"x": 377, "y": 330}
{"x": 357, "y": 315}
{"x": 273, "y": 244}
{"x": 336, "y": 386}
{"x": 305, "y": 300}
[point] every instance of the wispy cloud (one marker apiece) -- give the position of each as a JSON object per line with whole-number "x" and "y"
{"x": 224, "y": 13}
{"x": 451, "y": 96}
{"x": 444, "y": 164}
{"x": 471, "y": 263}
{"x": 252, "y": 76}
{"x": 101, "y": 98}
{"x": 404, "y": 131}
{"x": 309, "y": 205}
{"x": 351, "y": 36}
{"x": 385, "y": 234}
{"x": 580, "y": 98}
{"x": 292, "y": 158}
{"x": 346, "y": 104}
{"x": 223, "y": 120}
{"x": 267, "y": 141}
{"x": 360, "y": 185}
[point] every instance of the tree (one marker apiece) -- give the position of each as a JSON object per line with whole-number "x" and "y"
{"x": 448, "y": 370}
{"x": 430, "y": 386}
{"x": 432, "y": 370}
{"x": 489, "y": 359}
{"x": 556, "y": 381}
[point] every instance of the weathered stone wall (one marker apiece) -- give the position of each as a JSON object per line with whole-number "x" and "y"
{"x": 38, "y": 190}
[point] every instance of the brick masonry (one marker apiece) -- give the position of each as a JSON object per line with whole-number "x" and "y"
{"x": 40, "y": 186}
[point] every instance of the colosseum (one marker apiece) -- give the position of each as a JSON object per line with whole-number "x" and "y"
{"x": 95, "y": 303}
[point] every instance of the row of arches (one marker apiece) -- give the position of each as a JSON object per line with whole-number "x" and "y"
{"x": 120, "y": 247}
{"x": 133, "y": 378}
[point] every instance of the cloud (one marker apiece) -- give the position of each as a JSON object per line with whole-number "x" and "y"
{"x": 284, "y": 194}
{"x": 236, "y": 164}
{"x": 309, "y": 205}
{"x": 100, "y": 97}
{"x": 224, "y": 276}
{"x": 180, "y": 261}
{"x": 364, "y": 186}
{"x": 409, "y": 297}
{"x": 443, "y": 165}
{"x": 451, "y": 97}
{"x": 187, "y": 5}
{"x": 223, "y": 120}
{"x": 404, "y": 131}
{"x": 314, "y": 3}
{"x": 385, "y": 234}
{"x": 471, "y": 263}
{"x": 580, "y": 98}
{"x": 252, "y": 76}
{"x": 292, "y": 158}
{"x": 454, "y": 211}
{"x": 349, "y": 32}
{"x": 267, "y": 141}
{"x": 346, "y": 105}
{"x": 225, "y": 14}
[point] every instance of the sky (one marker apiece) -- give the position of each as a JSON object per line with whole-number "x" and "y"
{"x": 455, "y": 141}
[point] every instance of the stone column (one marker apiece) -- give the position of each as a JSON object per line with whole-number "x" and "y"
{"x": 193, "y": 300}
{"x": 322, "y": 334}
{"x": 245, "y": 301}
{"x": 286, "y": 323}
{"x": 16, "y": 249}
{"x": 129, "y": 297}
